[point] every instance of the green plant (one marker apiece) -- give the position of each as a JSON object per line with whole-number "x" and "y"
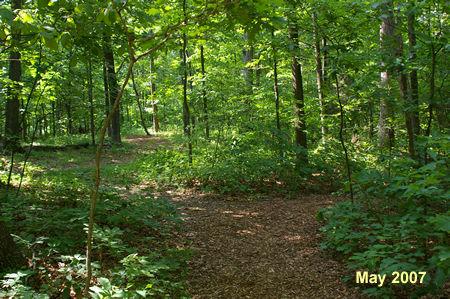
{"x": 398, "y": 223}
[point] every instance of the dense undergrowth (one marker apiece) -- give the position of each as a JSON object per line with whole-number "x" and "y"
{"x": 399, "y": 221}
{"x": 246, "y": 163}
{"x": 133, "y": 257}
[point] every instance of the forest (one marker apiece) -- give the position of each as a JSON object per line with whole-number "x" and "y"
{"x": 224, "y": 149}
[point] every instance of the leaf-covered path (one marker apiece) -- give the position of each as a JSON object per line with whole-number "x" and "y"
{"x": 266, "y": 247}
{"x": 262, "y": 248}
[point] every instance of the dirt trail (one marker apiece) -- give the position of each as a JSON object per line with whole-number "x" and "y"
{"x": 266, "y": 248}
{"x": 259, "y": 249}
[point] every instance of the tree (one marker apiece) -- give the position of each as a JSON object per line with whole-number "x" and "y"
{"x": 413, "y": 94}
{"x": 152, "y": 95}
{"x": 320, "y": 75}
{"x": 205, "y": 99}
{"x": 299, "y": 105}
{"x": 387, "y": 38}
{"x": 113, "y": 87}
{"x": 10, "y": 255}
{"x": 12, "y": 125}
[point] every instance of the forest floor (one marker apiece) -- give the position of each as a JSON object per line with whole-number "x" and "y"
{"x": 246, "y": 247}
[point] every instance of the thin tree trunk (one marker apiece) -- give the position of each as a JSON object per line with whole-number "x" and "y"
{"x": 385, "y": 129}
{"x": 408, "y": 99}
{"x": 247, "y": 56}
{"x": 53, "y": 119}
{"x": 186, "y": 112}
{"x": 319, "y": 74}
{"x": 341, "y": 137}
{"x": 138, "y": 96}
{"x": 152, "y": 95}
{"x": 113, "y": 86}
{"x": 107, "y": 98}
{"x": 69, "y": 117}
{"x": 297, "y": 84}
{"x": 91, "y": 102}
{"x": 205, "y": 99}
{"x": 275, "y": 86}
{"x": 430, "y": 105}
{"x": 414, "y": 84}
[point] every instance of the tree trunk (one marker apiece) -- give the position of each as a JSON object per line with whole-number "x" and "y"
{"x": 113, "y": 87}
{"x": 414, "y": 86}
{"x": 107, "y": 97}
{"x": 385, "y": 129}
{"x": 186, "y": 112}
{"x": 91, "y": 102}
{"x": 69, "y": 117}
{"x": 53, "y": 119}
{"x": 247, "y": 56}
{"x": 138, "y": 97}
{"x": 12, "y": 126}
{"x": 11, "y": 257}
{"x": 205, "y": 99}
{"x": 297, "y": 84}
{"x": 319, "y": 75}
{"x": 152, "y": 94}
{"x": 275, "y": 86}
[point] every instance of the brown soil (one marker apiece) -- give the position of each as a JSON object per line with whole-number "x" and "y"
{"x": 265, "y": 248}
{"x": 260, "y": 248}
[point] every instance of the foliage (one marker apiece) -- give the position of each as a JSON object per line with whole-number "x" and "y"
{"x": 51, "y": 219}
{"x": 398, "y": 223}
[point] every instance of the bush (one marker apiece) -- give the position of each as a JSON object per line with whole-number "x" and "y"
{"x": 397, "y": 223}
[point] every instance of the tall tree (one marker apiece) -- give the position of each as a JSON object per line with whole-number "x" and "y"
{"x": 113, "y": 87}
{"x": 247, "y": 56}
{"x": 319, "y": 75}
{"x": 152, "y": 95}
{"x": 186, "y": 111}
{"x": 205, "y": 99}
{"x": 91, "y": 101}
{"x": 299, "y": 104}
{"x": 413, "y": 103}
{"x": 387, "y": 40}
{"x": 12, "y": 125}
{"x": 275, "y": 83}
{"x": 138, "y": 99}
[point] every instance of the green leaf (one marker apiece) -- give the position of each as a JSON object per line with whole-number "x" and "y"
{"x": 143, "y": 293}
{"x": 66, "y": 40}
{"x": 52, "y": 43}
{"x": 110, "y": 16}
{"x": 27, "y": 18}
{"x": 105, "y": 283}
{"x": 73, "y": 61}
{"x": 42, "y": 3}
{"x": 440, "y": 277}
{"x": 6, "y": 14}
{"x": 152, "y": 11}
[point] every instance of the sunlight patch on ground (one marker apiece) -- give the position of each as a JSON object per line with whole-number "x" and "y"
{"x": 245, "y": 232}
